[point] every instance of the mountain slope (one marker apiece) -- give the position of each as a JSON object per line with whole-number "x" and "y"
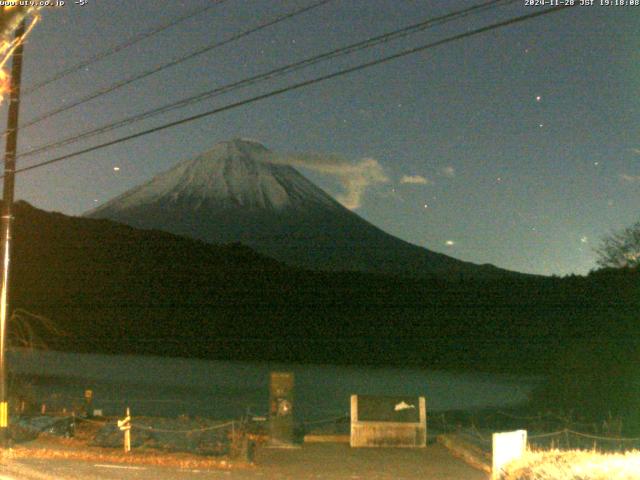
{"x": 233, "y": 193}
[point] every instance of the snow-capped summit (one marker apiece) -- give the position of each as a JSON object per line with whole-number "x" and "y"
{"x": 234, "y": 174}
{"x": 236, "y": 193}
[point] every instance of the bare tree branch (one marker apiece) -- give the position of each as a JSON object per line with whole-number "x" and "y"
{"x": 620, "y": 249}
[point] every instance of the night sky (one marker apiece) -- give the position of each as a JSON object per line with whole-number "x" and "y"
{"x": 518, "y": 147}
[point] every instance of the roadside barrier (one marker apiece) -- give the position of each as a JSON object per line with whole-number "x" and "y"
{"x": 567, "y": 439}
{"x": 343, "y": 417}
{"x": 148, "y": 428}
{"x": 564, "y": 438}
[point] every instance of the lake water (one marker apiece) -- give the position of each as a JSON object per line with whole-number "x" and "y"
{"x": 218, "y": 389}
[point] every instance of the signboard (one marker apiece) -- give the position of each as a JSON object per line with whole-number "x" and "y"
{"x": 388, "y": 409}
{"x": 281, "y": 408}
{"x": 388, "y": 421}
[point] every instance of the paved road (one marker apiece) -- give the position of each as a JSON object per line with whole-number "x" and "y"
{"x": 76, "y": 470}
{"x": 312, "y": 462}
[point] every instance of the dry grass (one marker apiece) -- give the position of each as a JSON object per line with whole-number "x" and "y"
{"x": 51, "y": 447}
{"x": 99, "y": 455}
{"x": 575, "y": 465}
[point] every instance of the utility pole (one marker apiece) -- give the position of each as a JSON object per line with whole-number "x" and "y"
{"x": 7, "y": 220}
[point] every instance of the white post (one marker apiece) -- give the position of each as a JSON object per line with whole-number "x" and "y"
{"x": 354, "y": 419}
{"x": 127, "y": 434}
{"x": 507, "y": 446}
{"x": 125, "y": 426}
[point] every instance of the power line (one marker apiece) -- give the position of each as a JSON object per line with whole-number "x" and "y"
{"x": 122, "y": 46}
{"x": 299, "y": 85}
{"x": 368, "y": 43}
{"x": 173, "y": 63}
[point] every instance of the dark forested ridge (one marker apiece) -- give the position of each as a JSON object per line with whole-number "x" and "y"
{"x": 112, "y": 288}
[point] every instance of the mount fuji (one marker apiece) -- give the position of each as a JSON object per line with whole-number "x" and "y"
{"x": 234, "y": 193}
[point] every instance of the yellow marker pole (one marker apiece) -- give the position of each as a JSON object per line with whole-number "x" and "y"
{"x": 4, "y": 415}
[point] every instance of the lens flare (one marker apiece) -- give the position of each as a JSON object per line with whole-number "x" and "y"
{"x": 7, "y": 47}
{"x": 5, "y": 84}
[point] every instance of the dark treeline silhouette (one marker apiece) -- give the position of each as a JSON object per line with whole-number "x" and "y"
{"x": 114, "y": 289}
